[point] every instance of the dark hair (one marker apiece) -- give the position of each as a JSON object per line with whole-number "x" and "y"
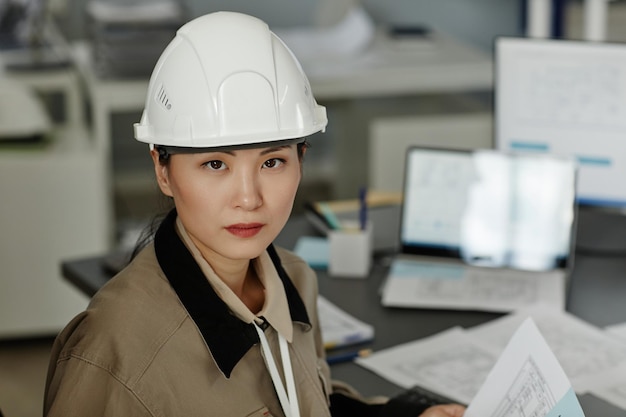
{"x": 147, "y": 233}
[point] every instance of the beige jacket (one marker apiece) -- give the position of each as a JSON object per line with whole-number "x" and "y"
{"x": 158, "y": 341}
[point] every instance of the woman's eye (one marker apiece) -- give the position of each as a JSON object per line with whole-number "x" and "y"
{"x": 216, "y": 165}
{"x": 273, "y": 163}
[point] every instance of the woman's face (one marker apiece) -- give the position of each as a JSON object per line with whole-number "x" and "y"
{"x": 232, "y": 203}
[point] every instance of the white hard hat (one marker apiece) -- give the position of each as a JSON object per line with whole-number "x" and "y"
{"x": 225, "y": 80}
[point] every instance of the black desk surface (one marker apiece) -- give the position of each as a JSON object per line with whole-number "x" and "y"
{"x": 597, "y": 295}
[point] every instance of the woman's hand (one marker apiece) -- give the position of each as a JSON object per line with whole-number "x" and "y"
{"x": 446, "y": 410}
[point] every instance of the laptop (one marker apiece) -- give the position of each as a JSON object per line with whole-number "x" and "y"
{"x": 483, "y": 230}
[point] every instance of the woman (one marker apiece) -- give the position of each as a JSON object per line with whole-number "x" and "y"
{"x": 211, "y": 318}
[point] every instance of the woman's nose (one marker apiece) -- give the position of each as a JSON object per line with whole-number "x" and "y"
{"x": 247, "y": 191}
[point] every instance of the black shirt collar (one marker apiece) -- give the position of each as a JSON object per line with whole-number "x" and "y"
{"x": 227, "y": 337}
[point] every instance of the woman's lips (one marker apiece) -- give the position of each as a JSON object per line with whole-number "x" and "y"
{"x": 244, "y": 229}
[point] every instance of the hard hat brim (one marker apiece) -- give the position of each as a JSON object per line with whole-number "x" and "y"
{"x": 172, "y": 150}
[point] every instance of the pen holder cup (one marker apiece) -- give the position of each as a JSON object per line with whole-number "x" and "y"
{"x": 351, "y": 250}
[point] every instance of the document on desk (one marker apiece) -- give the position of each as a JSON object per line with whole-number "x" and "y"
{"x": 423, "y": 284}
{"x": 588, "y": 354}
{"x": 527, "y": 380}
{"x": 613, "y": 389}
{"x": 450, "y": 363}
{"x": 340, "y": 329}
{"x": 617, "y": 330}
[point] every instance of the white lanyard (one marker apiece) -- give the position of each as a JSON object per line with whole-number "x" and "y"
{"x": 288, "y": 399}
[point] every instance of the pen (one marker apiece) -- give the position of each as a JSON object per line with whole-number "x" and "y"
{"x": 346, "y": 357}
{"x": 363, "y": 207}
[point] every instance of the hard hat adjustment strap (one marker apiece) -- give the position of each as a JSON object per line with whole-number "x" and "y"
{"x": 164, "y": 153}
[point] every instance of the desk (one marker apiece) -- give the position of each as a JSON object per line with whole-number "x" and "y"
{"x": 597, "y": 290}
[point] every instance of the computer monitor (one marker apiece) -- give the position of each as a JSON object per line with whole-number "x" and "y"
{"x": 567, "y": 98}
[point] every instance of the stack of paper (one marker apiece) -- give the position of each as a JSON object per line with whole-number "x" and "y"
{"x": 340, "y": 329}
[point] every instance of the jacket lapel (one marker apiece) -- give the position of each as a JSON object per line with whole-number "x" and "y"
{"x": 227, "y": 337}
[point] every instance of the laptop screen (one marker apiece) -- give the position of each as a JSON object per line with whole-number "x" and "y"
{"x": 489, "y": 208}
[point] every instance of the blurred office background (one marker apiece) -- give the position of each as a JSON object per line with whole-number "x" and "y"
{"x": 465, "y": 22}
{"x": 75, "y": 183}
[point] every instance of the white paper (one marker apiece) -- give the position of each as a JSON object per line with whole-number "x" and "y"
{"x": 340, "y": 328}
{"x": 527, "y": 380}
{"x": 432, "y": 285}
{"x": 587, "y": 354}
{"x": 349, "y": 37}
{"x": 617, "y": 330}
{"x": 449, "y": 363}
{"x": 613, "y": 389}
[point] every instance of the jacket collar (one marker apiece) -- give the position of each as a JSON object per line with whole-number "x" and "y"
{"x": 227, "y": 337}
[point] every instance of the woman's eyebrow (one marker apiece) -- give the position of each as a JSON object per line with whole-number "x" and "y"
{"x": 265, "y": 151}
{"x": 273, "y": 149}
